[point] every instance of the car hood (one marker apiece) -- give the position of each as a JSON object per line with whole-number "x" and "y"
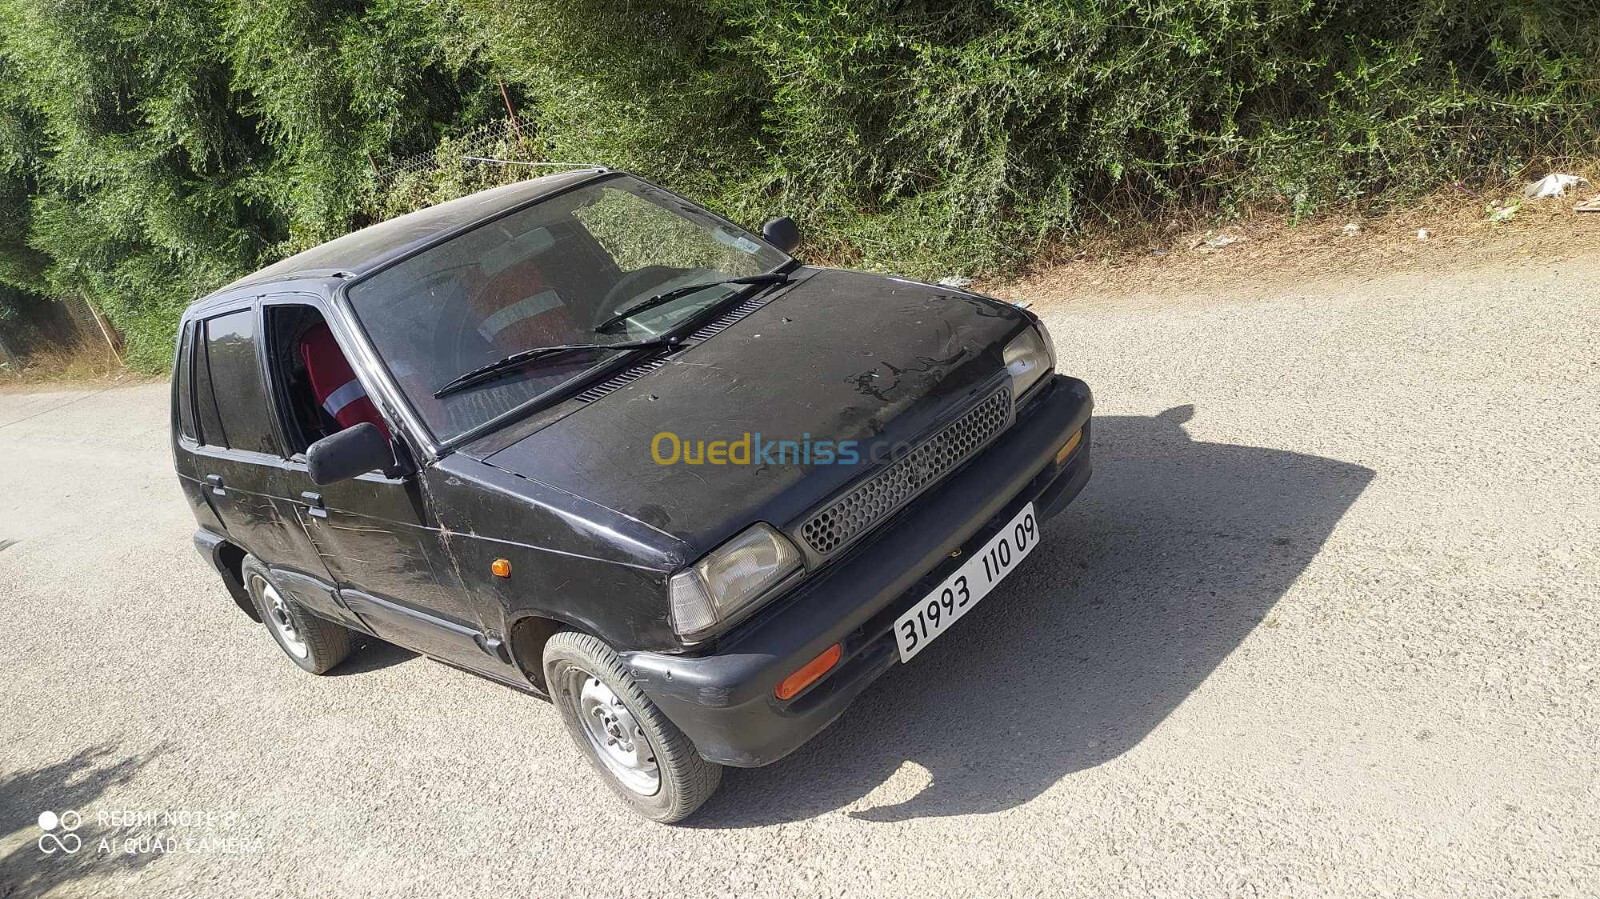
{"x": 835, "y": 356}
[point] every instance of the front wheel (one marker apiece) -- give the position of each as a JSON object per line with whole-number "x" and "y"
{"x": 643, "y": 757}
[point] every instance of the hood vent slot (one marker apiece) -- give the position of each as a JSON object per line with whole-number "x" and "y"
{"x": 620, "y": 379}
{"x": 727, "y": 319}
{"x": 710, "y": 329}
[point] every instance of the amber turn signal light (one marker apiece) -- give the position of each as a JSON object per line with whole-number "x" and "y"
{"x": 500, "y": 567}
{"x": 1069, "y": 446}
{"x": 809, "y": 673}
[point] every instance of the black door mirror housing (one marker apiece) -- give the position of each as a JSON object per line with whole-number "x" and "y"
{"x": 353, "y": 451}
{"x": 782, "y": 233}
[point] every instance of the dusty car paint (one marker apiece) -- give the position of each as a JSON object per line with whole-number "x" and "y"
{"x": 841, "y": 354}
{"x": 567, "y": 494}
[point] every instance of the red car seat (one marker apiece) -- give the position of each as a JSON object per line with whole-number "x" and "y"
{"x": 519, "y": 310}
{"x": 334, "y": 382}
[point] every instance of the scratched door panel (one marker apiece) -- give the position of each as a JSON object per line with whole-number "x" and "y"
{"x": 377, "y": 536}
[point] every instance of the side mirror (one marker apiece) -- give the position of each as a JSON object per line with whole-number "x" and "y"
{"x": 353, "y": 451}
{"x": 782, "y": 233}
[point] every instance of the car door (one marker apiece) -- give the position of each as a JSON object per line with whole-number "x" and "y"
{"x": 234, "y": 452}
{"x": 376, "y": 534}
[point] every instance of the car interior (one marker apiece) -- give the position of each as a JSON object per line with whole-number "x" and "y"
{"x": 324, "y": 396}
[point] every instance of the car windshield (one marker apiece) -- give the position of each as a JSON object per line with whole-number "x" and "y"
{"x": 545, "y": 276}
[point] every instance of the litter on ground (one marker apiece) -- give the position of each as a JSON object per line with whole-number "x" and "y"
{"x": 1553, "y": 185}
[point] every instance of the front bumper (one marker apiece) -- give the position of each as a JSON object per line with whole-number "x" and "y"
{"x": 724, "y": 702}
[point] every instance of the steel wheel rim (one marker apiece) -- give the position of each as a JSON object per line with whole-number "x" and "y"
{"x": 614, "y": 734}
{"x": 282, "y": 623}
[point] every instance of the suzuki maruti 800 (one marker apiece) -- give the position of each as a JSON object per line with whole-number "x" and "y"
{"x": 584, "y": 437}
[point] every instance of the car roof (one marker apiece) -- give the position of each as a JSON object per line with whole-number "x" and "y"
{"x": 370, "y": 248}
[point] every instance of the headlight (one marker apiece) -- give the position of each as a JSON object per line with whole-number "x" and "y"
{"x": 729, "y": 579}
{"x": 1029, "y": 357}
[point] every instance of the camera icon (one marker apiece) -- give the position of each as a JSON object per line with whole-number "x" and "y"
{"x": 66, "y": 842}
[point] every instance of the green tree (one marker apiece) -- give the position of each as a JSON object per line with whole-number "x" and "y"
{"x": 173, "y": 146}
{"x": 152, "y": 150}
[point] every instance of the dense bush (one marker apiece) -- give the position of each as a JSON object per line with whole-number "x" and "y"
{"x": 151, "y": 149}
{"x": 166, "y": 147}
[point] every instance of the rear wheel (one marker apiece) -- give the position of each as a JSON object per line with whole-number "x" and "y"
{"x": 643, "y": 757}
{"x": 315, "y": 644}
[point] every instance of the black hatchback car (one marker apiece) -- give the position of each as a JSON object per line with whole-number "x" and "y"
{"x": 586, "y": 438}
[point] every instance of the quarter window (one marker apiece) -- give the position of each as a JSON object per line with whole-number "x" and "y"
{"x": 185, "y": 383}
{"x": 205, "y": 400}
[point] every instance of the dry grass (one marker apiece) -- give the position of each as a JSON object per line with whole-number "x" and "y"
{"x": 1186, "y": 255}
{"x": 1172, "y": 258}
{"x": 83, "y": 363}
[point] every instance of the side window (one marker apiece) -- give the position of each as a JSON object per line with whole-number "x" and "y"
{"x": 185, "y": 383}
{"x": 205, "y": 399}
{"x": 239, "y": 408}
{"x": 317, "y": 389}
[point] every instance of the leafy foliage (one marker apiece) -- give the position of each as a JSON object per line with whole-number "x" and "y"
{"x": 151, "y": 150}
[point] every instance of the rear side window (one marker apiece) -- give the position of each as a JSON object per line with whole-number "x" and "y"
{"x": 205, "y": 402}
{"x": 230, "y": 397}
{"x": 185, "y": 383}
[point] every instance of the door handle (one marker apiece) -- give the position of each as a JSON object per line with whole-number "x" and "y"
{"x": 215, "y": 480}
{"x": 314, "y": 504}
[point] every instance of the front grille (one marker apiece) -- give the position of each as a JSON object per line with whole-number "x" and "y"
{"x": 881, "y": 495}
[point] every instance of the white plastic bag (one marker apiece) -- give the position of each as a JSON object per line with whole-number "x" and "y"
{"x": 1552, "y": 186}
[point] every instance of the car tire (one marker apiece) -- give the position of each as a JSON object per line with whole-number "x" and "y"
{"x": 644, "y": 758}
{"x": 315, "y": 644}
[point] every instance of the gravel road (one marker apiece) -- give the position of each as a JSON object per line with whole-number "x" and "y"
{"x": 1325, "y": 622}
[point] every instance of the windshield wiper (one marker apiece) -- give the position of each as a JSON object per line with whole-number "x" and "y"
{"x": 680, "y": 292}
{"x": 517, "y": 360}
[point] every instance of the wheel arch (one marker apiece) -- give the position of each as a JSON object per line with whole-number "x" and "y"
{"x": 528, "y": 636}
{"x": 228, "y": 560}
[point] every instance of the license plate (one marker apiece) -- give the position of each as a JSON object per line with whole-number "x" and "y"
{"x": 970, "y": 583}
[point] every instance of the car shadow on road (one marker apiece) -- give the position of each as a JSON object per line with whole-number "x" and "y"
{"x": 1173, "y": 554}
{"x": 35, "y": 861}
{"x": 371, "y": 654}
